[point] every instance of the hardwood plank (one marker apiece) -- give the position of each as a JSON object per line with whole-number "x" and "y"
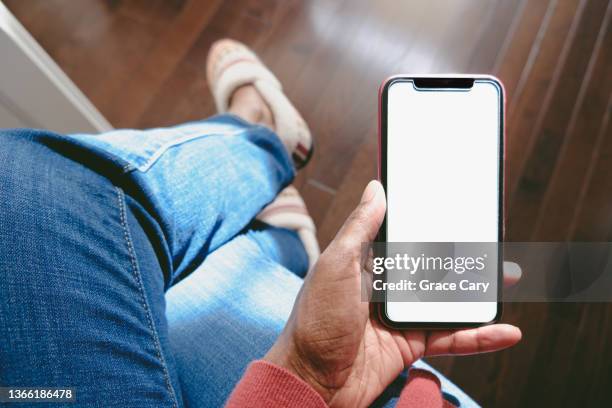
{"x": 185, "y": 95}
{"x": 593, "y": 216}
{"x": 138, "y": 91}
{"x": 549, "y": 132}
{"x": 538, "y": 88}
{"x": 363, "y": 168}
{"x": 490, "y": 41}
{"x": 580, "y": 142}
{"x": 522, "y": 47}
{"x": 155, "y": 12}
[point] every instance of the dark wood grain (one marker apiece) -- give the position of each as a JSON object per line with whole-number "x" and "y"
{"x": 547, "y": 132}
{"x": 142, "y": 63}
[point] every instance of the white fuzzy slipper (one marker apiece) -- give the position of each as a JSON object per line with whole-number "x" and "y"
{"x": 289, "y": 211}
{"x": 235, "y": 65}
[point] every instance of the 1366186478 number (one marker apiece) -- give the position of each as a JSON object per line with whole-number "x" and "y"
{"x": 36, "y": 394}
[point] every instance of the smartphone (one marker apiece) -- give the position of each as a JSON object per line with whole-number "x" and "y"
{"x": 441, "y": 157}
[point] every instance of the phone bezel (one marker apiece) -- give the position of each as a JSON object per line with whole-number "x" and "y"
{"x": 382, "y": 176}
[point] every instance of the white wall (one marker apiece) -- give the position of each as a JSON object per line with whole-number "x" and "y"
{"x": 34, "y": 92}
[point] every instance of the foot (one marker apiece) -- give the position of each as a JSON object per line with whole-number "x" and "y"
{"x": 247, "y": 103}
{"x": 242, "y": 85}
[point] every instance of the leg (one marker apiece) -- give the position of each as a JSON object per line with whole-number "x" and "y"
{"x": 203, "y": 182}
{"x": 81, "y": 287}
{"x": 231, "y": 309}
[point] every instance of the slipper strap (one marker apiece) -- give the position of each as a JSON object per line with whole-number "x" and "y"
{"x": 237, "y": 73}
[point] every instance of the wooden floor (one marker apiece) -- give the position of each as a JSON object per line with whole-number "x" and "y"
{"x": 142, "y": 64}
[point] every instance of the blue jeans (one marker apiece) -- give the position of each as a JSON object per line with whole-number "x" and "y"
{"x": 131, "y": 268}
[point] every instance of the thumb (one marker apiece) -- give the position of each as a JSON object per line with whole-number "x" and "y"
{"x": 365, "y": 220}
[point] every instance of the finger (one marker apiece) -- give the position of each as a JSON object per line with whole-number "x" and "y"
{"x": 512, "y": 273}
{"x": 363, "y": 223}
{"x": 472, "y": 341}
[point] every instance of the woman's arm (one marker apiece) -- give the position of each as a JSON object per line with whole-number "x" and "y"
{"x": 267, "y": 385}
{"x": 332, "y": 343}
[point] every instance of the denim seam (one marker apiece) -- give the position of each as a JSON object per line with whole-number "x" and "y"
{"x": 164, "y": 147}
{"x": 136, "y": 271}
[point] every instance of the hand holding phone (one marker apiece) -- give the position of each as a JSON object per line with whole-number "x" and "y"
{"x": 334, "y": 343}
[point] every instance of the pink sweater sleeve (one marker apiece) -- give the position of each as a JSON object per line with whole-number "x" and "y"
{"x": 422, "y": 390}
{"x": 266, "y": 385}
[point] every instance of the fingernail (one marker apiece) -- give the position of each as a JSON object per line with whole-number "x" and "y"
{"x": 370, "y": 192}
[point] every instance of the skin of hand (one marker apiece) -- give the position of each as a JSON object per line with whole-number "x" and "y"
{"x": 337, "y": 346}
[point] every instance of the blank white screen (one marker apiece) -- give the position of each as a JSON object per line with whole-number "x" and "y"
{"x": 443, "y": 180}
